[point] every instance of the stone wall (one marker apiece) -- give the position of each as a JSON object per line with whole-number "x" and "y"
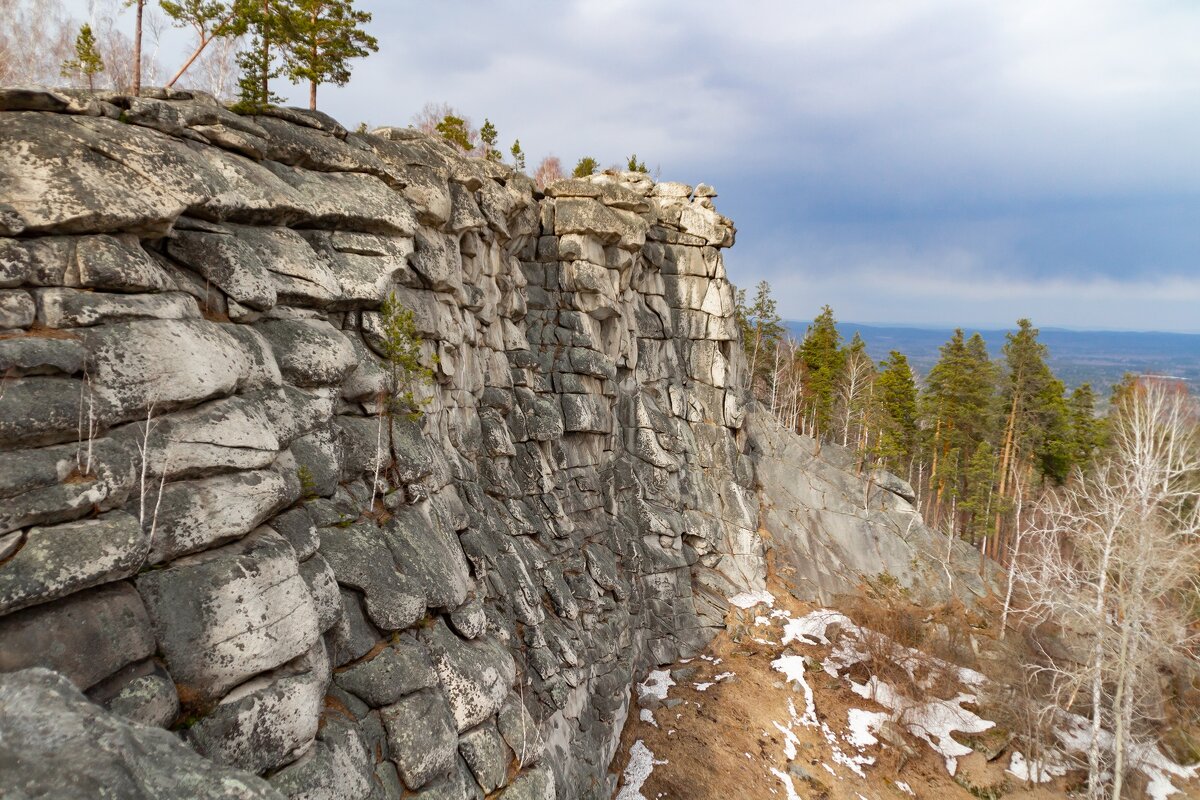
{"x": 191, "y": 441}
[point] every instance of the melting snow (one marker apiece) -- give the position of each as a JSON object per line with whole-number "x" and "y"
{"x": 656, "y": 684}
{"x": 811, "y": 627}
{"x": 932, "y": 720}
{"x": 752, "y": 599}
{"x": 647, "y": 716}
{"x": 863, "y": 725}
{"x": 904, "y": 787}
{"x": 786, "y": 780}
{"x": 641, "y": 764}
{"x": 1037, "y": 770}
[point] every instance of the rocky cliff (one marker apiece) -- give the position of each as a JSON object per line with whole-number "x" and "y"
{"x": 190, "y": 430}
{"x": 210, "y": 523}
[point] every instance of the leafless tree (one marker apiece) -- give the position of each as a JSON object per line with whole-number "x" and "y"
{"x": 1110, "y": 562}
{"x": 547, "y": 172}
{"x": 853, "y": 390}
{"x": 36, "y": 38}
{"x": 216, "y": 71}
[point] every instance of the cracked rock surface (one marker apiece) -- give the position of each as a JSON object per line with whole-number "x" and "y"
{"x": 209, "y": 522}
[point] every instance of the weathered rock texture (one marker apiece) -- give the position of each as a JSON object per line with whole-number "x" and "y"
{"x": 191, "y": 439}
{"x": 189, "y": 420}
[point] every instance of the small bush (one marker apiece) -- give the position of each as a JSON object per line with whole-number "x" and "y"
{"x": 586, "y": 166}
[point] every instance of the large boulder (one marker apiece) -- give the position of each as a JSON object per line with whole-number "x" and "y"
{"x": 226, "y": 615}
{"x": 55, "y": 743}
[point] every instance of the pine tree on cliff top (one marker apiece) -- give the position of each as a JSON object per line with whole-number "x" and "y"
{"x": 87, "y": 60}
{"x": 321, "y": 36}
{"x": 210, "y": 19}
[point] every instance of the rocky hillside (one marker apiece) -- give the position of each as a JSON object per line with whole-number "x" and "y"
{"x": 211, "y": 523}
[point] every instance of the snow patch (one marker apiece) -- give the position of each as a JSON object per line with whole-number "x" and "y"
{"x": 641, "y": 764}
{"x": 656, "y": 685}
{"x": 932, "y": 720}
{"x": 746, "y": 600}
{"x": 1036, "y": 770}
{"x": 647, "y": 716}
{"x": 786, "y": 780}
{"x": 863, "y": 725}
{"x": 904, "y": 787}
{"x": 810, "y": 629}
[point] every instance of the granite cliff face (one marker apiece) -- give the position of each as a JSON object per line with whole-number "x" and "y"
{"x": 190, "y": 431}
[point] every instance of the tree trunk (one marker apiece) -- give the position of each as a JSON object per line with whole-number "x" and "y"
{"x": 137, "y": 49}
{"x": 189, "y": 62}
{"x": 1005, "y": 456}
{"x": 312, "y": 95}
{"x": 266, "y": 53}
{"x": 1121, "y": 696}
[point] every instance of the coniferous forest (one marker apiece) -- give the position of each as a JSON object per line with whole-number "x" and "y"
{"x": 976, "y": 437}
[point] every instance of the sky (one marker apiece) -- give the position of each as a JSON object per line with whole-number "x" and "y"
{"x": 926, "y": 162}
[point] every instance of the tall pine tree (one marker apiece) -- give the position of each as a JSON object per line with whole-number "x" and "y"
{"x": 896, "y": 414}
{"x": 821, "y": 360}
{"x": 958, "y": 404}
{"x": 321, "y": 36}
{"x": 210, "y": 19}
{"x": 762, "y": 329}
{"x": 1035, "y": 424}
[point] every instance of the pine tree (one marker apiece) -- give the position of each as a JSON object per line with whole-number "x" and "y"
{"x": 1087, "y": 430}
{"x": 210, "y": 19}
{"x": 896, "y": 417}
{"x": 258, "y": 68}
{"x": 761, "y": 328}
{"x": 321, "y": 36}
{"x": 1035, "y": 425}
{"x": 487, "y": 137}
{"x": 454, "y": 130}
{"x": 633, "y": 165}
{"x": 979, "y": 487}
{"x": 822, "y": 360}
{"x": 518, "y": 156}
{"x": 957, "y": 404}
{"x": 586, "y": 166}
{"x": 87, "y": 61}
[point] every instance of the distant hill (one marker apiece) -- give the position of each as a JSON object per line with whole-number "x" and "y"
{"x": 1098, "y": 357}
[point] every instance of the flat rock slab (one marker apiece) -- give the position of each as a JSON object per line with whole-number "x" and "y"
{"x": 361, "y": 559}
{"x": 56, "y": 561}
{"x": 231, "y": 613}
{"x": 56, "y": 743}
{"x": 337, "y": 767}
{"x": 475, "y": 676}
{"x": 87, "y": 636}
{"x": 193, "y": 515}
{"x": 159, "y": 365}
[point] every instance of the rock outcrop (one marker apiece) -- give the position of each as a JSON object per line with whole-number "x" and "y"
{"x": 211, "y": 522}
{"x": 191, "y": 427}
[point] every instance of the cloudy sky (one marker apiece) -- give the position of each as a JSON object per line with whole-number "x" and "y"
{"x": 921, "y": 162}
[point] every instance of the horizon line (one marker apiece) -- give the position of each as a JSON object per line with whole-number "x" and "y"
{"x": 945, "y": 327}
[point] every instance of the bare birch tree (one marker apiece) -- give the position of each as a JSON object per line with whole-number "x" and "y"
{"x": 1112, "y": 562}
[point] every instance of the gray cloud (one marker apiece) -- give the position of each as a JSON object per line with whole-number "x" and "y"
{"x": 993, "y": 154}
